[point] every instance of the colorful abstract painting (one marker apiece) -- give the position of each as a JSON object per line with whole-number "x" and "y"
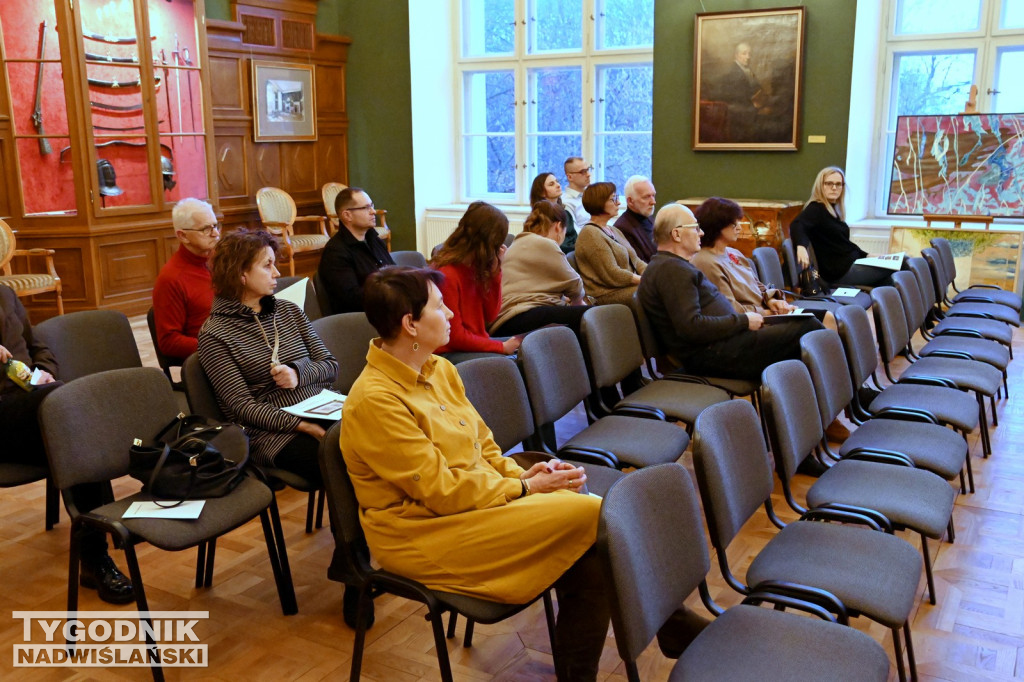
{"x": 968, "y": 164}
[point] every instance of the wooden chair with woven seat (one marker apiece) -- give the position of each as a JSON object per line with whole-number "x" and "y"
{"x": 330, "y": 192}
{"x": 27, "y": 284}
{"x": 279, "y": 215}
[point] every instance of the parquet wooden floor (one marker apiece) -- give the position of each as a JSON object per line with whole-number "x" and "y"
{"x": 976, "y": 632}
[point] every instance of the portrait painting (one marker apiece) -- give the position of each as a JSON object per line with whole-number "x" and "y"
{"x": 748, "y": 72}
{"x": 284, "y": 102}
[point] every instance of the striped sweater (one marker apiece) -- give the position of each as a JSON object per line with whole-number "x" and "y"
{"x": 236, "y": 357}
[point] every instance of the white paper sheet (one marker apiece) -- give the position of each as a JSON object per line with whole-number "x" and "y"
{"x": 847, "y": 292}
{"x": 324, "y": 405}
{"x": 889, "y": 261}
{"x": 189, "y": 509}
{"x": 296, "y": 293}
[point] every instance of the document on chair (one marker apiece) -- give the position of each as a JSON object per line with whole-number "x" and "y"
{"x": 296, "y": 293}
{"x": 324, "y": 405}
{"x": 845, "y": 292}
{"x": 889, "y": 261}
{"x": 189, "y": 509}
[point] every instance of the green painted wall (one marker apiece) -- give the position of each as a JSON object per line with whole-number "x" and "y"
{"x": 679, "y": 171}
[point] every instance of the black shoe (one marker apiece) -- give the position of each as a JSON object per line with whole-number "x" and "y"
{"x": 350, "y": 608}
{"x": 103, "y": 575}
{"x": 811, "y": 466}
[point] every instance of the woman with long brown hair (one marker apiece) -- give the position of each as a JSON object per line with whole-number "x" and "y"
{"x": 546, "y": 187}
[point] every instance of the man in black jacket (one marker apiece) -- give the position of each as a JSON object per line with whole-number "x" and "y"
{"x": 353, "y": 253}
{"x": 23, "y": 442}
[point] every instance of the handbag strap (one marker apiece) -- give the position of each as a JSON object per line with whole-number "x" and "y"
{"x": 156, "y": 472}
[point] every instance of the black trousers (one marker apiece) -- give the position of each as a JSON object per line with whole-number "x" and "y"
{"x": 535, "y": 318}
{"x": 865, "y": 275}
{"x": 19, "y": 422}
{"x": 300, "y": 456}
{"x": 745, "y": 355}
{"x": 583, "y": 617}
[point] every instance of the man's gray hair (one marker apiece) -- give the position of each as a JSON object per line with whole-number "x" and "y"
{"x": 186, "y": 213}
{"x": 632, "y": 182}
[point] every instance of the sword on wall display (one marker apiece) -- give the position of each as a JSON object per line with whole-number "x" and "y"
{"x": 119, "y": 84}
{"x": 176, "y": 56}
{"x": 167, "y": 90}
{"x": 37, "y": 112}
{"x": 112, "y": 40}
{"x": 92, "y": 57}
{"x": 191, "y": 102}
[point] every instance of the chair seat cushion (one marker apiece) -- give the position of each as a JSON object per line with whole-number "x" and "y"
{"x": 308, "y": 242}
{"x": 989, "y": 329}
{"x": 984, "y": 294}
{"x": 12, "y": 474}
{"x": 871, "y": 572}
{"x": 740, "y": 387}
{"x": 982, "y": 350}
{"x": 480, "y": 610}
{"x": 678, "y": 400}
{"x": 599, "y": 479}
{"x": 861, "y": 299}
{"x": 949, "y": 405}
{"x": 635, "y": 441}
{"x": 966, "y": 374}
{"x": 219, "y": 515}
{"x": 755, "y": 643}
{"x": 910, "y": 498}
{"x": 992, "y": 311}
{"x": 24, "y": 283}
{"x": 929, "y": 446}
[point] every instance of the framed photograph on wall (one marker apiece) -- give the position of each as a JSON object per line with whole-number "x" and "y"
{"x": 283, "y": 102}
{"x": 748, "y": 74}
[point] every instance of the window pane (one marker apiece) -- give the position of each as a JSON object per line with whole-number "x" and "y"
{"x": 625, "y": 23}
{"x": 620, "y": 155}
{"x": 488, "y": 27}
{"x": 1010, "y": 92}
{"x": 490, "y": 164}
{"x": 490, "y": 102}
{"x": 624, "y": 114}
{"x": 555, "y": 25}
{"x": 489, "y": 132}
{"x": 931, "y": 83}
{"x": 1012, "y": 14}
{"x": 937, "y": 16}
{"x": 554, "y": 118}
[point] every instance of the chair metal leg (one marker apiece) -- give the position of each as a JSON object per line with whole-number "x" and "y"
{"x": 310, "y": 504}
{"x": 950, "y": 531}
{"x": 321, "y": 499}
{"x": 74, "y": 568}
{"x": 143, "y": 605}
{"x": 279, "y": 561}
{"x": 437, "y": 625}
{"x": 995, "y": 417}
{"x": 928, "y": 569}
{"x": 970, "y": 470}
{"x": 897, "y": 651}
{"x": 200, "y": 564}
{"x": 986, "y": 443}
{"x": 360, "y": 640}
{"x": 549, "y": 616}
{"x": 467, "y": 640}
{"x": 910, "y": 651}
{"x": 453, "y": 619}
{"x": 963, "y": 483}
{"x": 52, "y": 504}
{"x": 211, "y": 552}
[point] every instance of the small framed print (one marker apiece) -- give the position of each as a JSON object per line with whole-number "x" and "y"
{"x": 283, "y": 101}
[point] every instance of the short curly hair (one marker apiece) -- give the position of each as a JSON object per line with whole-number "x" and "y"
{"x": 235, "y": 254}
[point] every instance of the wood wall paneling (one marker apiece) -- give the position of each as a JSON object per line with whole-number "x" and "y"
{"x": 266, "y": 167}
{"x": 231, "y": 165}
{"x": 332, "y": 159}
{"x": 129, "y": 267}
{"x": 227, "y": 88}
{"x": 330, "y": 89}
{"x": 298, "y": 168}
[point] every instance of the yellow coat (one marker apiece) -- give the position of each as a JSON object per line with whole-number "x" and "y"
{"x": 438, "y": 502}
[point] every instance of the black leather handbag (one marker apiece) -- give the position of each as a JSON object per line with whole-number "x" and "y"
{"x": 182, "y": 463}
{"x": 811, "y": 283}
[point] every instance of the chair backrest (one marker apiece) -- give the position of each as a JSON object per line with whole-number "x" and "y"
{"x": 945, "y": 251}
{"x": 311, "y": 306}
{"x": 323, "y": 299}
{"x": 919, "y": 266}
{"x": 769, "y": 267}
{"x": 890, "y": 322}
{"x": 202, "y": 399}
{"x": 571, "y": 257}
{"x": 855, "y": 332}
{"x": 276, "y": 207}
{"x": 348, "y": 337}
{"x": 89, "y": 341}
{"x": 286, "y": 281}
{"x": 555, "y": 373}
{"x": 342, "y": 504}
{"x": 733, "y": 467}
{"x": 651, "y": 541}
{"x": 914, "y": 311}
{"x": 791, "y": 412}
{"x": 652, "y": 350}
{"x": 495, "y": 388}
{"x": 165, "y": 361}
{"x": 8, "y": 243}
{"x": 940, "y": 278}
{"x": 412, "y": 259}
{"x": 88, "y": 429}
{"x": 822, "y": 353}
{"x": 612, "y": 343}
{"x": 790, "y": 266}
{"x": 330, "y": 192}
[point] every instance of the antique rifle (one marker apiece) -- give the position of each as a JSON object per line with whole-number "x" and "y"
{"x": 37, "y": 113}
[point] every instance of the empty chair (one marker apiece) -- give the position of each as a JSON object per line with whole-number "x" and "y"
{"x": 907, "y": 497}
{"x": 103, "y": 456}
{"x": 871, "y": 573}
{"x": 412, "y": 259}
{"x": 651, "y": 538}
{"x": 966, "y": 308}
{"x": 279, "y": 215}
{"x": 614, "y": 353}
{"x": 348, "y": 337}
{"x": 29, "y": 283}
{"x": 556, "y": 382}
{"x": 915, "y": 434}
{"x": 89, "y": 341}
{"x": 979, "y": 293}
{"x": 203, "y": 401}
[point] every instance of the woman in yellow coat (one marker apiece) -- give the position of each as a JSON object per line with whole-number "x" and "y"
{"x": 438, "y": 502}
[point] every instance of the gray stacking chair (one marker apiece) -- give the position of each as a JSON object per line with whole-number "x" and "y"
{"x": 979, "y": 293}
{"x": 89, "y": 341}
{"x": 769, "y": 272}
{"x": 792, "y": 268}
{"x": 915, "y": 434}
{"x": 982, "y": 379}
{"x": 412, "y": 259}
{"x": 908, "y": 497}
{"x": 347, "y": 336}
{"x": 350, "y": 541}
{"x": 651, "y": 539}
{"x": 495, "y": 388}
{"x": 556, "y": 382}
{"x": 968, "y": 308}
{"x": 614, "y": 352}
{"x": 202, "y": 400}
{"x": 948, "y": 406}
{"x": 323, "y": 300}
{"x": 95, "y": 405}
{"x": 166, "y": 362}
{"x": 871, "y": 573}
{"x": 13, "y": 474}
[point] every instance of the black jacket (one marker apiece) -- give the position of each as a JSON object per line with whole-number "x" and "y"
{"x": 345, "y": 265}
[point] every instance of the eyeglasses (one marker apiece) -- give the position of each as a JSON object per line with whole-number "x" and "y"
{"x": 695, "y": 226}
{"x": 582, "y": 171}
{"x": 207, "y": 230}
{"x": 368, "y": 207}
{"x": 834, "y": 185}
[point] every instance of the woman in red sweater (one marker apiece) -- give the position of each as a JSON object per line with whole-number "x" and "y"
{"x": 471, "y": 263}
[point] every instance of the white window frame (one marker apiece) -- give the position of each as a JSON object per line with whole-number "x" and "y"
{"x": 587, "y": 58}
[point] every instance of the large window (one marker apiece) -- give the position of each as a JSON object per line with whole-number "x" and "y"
{"x": 543, "y": 80}
{"x": 935, "y": 51}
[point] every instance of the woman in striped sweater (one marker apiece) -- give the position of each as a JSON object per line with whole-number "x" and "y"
{"x": 262, "y": 354}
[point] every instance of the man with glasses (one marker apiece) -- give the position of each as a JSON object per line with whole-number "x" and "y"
{"x": 182, "y": 295}
{"x": 577, "y": 174}
{"x": 695, "y": 323}
{"x": 353, "y": 253}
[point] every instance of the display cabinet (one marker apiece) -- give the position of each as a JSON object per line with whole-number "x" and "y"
{"x": 103, "y": 103}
